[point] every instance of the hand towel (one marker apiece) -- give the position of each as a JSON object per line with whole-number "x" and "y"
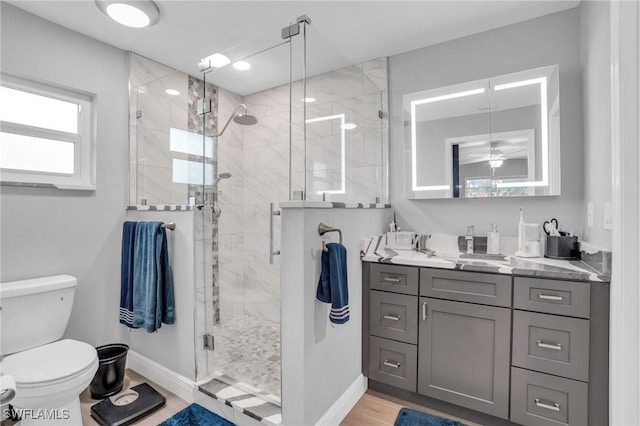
{"x": 126, "y": 274}
{"x": 333, "y": 286}
{"x": 153, "y": 302}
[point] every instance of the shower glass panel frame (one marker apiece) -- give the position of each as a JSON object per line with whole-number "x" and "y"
{"x": 334, "y": 148}
{"x": 240, "y": 232}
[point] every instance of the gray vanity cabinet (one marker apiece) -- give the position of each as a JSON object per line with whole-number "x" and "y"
{"x": 532, "y": 351}
{"x": 463, "y": 355}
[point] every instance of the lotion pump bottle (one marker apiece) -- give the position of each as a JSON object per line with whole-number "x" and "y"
{"x": 493, "y": 240}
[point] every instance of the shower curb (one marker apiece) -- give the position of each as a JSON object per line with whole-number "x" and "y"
{"x": 247, "y": 403}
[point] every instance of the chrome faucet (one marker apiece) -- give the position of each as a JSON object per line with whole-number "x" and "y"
{"x": 469, "y": 239}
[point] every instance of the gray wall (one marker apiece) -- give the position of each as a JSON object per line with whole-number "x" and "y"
{"x": 548, "y": 40}
{"x": 49, "y": 232}
{"x": 595, "y": 55}
{"x": 321, "y": 360}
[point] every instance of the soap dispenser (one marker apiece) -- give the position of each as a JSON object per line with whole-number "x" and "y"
{"x": 493, "y": 240}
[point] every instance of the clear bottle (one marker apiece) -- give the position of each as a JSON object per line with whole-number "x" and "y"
{"x": 493, "y": 240}
{"x": 521, "y": 232}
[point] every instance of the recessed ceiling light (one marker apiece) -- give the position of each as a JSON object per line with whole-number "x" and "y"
{"x": 172, "y": 92}
{"x": 308, "y": 99}
{"x": 134, "y": 14}
{"x": 348, "y": 126}
{"x": 242, "y": 65}
{"x": 217, "y": 60}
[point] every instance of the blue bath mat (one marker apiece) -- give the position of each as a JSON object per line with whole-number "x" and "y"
{"x": 195, "y": 415}
{"x": 409, "y": 417}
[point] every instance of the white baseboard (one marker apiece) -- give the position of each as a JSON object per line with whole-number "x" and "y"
{"x": 339, "y": 410}
{"x": 168, "y": 379}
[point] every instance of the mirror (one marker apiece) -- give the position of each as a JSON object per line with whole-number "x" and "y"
{"x": 496, "y": 137}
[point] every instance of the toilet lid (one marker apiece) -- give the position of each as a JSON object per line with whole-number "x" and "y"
{"x": 49, "y": 362}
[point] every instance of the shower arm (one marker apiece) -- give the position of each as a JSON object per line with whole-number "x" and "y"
{"x": 235, "y": 113}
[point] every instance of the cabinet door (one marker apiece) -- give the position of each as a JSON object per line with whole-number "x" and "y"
{"x": 463, "y": 354}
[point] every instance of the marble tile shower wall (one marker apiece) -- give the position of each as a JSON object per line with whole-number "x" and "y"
{"x": 153, "y": 115}
{"x": 231, "y": 224}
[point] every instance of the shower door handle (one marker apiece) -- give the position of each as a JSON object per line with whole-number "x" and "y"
{"x": 272, "y": 252}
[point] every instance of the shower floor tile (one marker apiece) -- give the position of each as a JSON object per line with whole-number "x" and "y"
{"x": 247, "y": 349}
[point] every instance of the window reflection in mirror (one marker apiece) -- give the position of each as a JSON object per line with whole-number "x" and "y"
{"x": 497, "y": 137}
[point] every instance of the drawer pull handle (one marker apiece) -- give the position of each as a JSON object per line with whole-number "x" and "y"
{"x": 550, "y": 297}
{"x": 391, "y": 317}
{"x": 392, "y": 279}
{"x": 391, "y": 364}
{"x": 424, "y": 311}
{"x": 554, "y": 346}
{"x": 554, "y": 406}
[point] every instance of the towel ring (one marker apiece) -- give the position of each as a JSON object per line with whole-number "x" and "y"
{"x": 323, "y": 229}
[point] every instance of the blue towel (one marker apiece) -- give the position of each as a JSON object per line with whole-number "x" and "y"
{"x": 126, "y": 274}
{"x": 146, "y": 287}
{"x": 333, "y": 286}
{"x": 152, "y": 285}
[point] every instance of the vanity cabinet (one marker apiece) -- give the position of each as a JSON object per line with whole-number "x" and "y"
{"x": 463, "y": 356}
{"x": 559, "y": 352}
{"x": 531, "y": 351}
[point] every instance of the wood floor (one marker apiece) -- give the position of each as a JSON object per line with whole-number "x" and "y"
{"x": 131, "y": 378}
{"x": 373, "y": 409}
{"x": 376, "y": 409}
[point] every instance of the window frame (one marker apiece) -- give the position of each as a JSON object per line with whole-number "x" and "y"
{"x": 84, "y": 175}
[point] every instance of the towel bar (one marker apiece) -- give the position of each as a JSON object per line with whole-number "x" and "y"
{"x": 323, "y": 229}
{"x": 169, "y": 225}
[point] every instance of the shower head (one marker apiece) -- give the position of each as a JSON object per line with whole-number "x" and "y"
{"x": 245, "y": 119}
{"x": 239, "y": 116}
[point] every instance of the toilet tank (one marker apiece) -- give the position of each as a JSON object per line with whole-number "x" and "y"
{"x": 34, "y": 312}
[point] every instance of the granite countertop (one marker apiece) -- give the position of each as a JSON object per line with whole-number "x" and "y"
{"x": 374, "y": 249}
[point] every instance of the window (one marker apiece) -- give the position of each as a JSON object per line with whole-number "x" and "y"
{"x": 46, "y": 136}
{"x": 495, "y": 187}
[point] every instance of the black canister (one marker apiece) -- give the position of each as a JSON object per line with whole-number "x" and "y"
{"x": 110, "y": 375}
{"x": 562, "y": 248}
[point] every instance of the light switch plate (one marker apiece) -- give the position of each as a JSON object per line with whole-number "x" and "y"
{"x": 608, "y": 215}
{"x": 590, "y": 214}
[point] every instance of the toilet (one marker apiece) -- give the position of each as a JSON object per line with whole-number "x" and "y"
{"x": 49, "y": 373}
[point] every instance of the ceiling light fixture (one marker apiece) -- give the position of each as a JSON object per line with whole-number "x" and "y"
{"x": 217, "y": 60}
{"x": 308, "y": 100}
{"x": 131, "y": 13}
{"x": 495, "y": 163}
{"x": 348, "y": 126}
{"x": 172, "y": 92}
{"x": 242, "y": 65}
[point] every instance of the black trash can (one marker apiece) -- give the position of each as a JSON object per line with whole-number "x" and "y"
{"x": 110, "y": 375}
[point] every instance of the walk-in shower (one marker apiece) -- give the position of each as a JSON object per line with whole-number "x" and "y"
{"x": 314, "y": 133}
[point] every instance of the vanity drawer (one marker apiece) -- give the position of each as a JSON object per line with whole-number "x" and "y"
{"x": 394, "y": 316}
{"x": 569, "y": 298}
{"x": 551, "y": 344}
{"x": 474, "y": 287}
{"x": 540, "y": 399}
{"x": 398, "y": 279}
{"x": 393, "y": 363}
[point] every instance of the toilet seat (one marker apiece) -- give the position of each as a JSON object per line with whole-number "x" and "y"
{"x": 49, "y": 364}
